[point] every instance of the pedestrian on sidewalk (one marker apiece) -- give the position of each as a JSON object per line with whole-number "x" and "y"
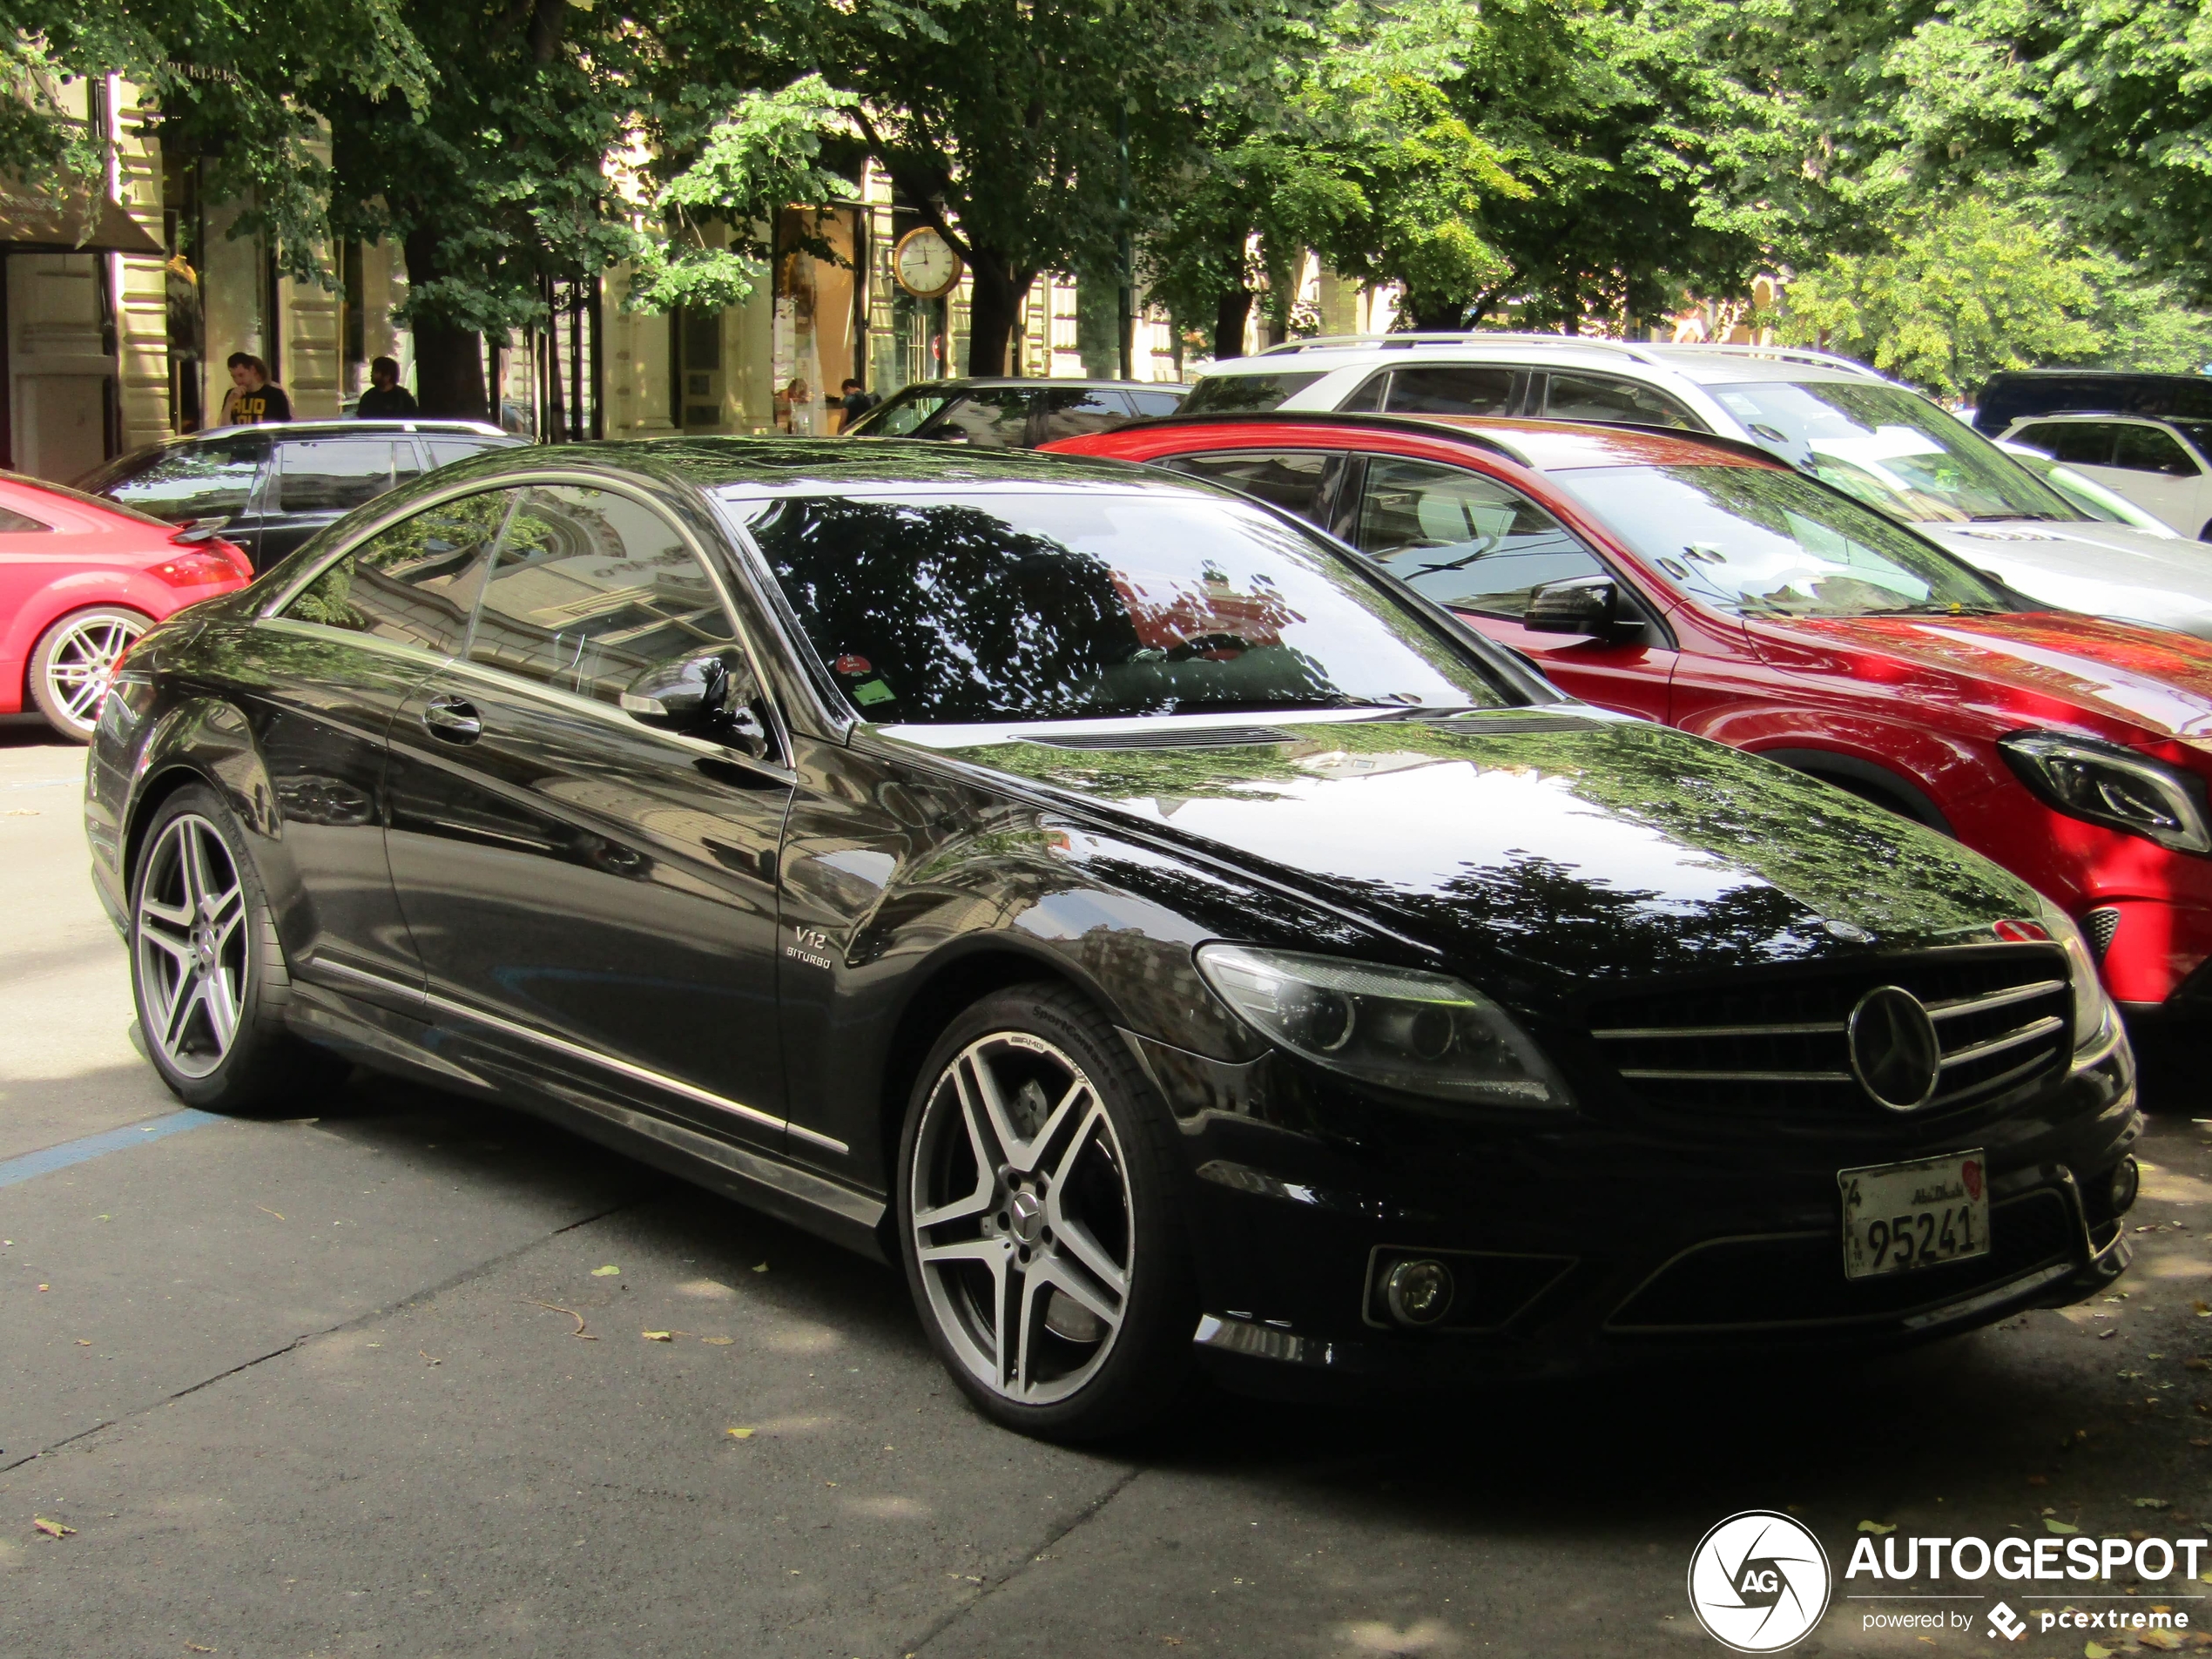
{"x": 254, "y": 399}
{"x": 386, "y": 399}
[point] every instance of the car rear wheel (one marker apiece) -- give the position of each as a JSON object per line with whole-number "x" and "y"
{"x": 206, "y": 969}
{"x": 74, "y": 661}
{"x": 1040, "y": 1223}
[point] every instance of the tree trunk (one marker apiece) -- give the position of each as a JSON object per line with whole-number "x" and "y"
{"x": 993, "y": 308}
{"x": 1231, "y": 312}
{"x": 448, "y": 362}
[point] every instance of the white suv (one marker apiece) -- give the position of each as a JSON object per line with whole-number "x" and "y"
{"x": 1836, "y": 419}
{"x": 2158, "y": 464}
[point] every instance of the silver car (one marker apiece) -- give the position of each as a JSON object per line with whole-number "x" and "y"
{"x": 1836, "y": 419}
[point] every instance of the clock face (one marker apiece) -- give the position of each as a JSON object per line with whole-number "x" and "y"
{"x": 925, "y": 264}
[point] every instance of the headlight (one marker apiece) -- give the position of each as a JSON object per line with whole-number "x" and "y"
{"x": 2092, "y": 1007}
{"x": 2108, "y": 785}
{"x": 1426, "y": 1034}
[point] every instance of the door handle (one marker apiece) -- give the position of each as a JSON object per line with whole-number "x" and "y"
{"x": 454, "y": 718}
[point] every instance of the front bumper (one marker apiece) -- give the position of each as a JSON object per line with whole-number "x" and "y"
{"x": 1580, "y": 1248}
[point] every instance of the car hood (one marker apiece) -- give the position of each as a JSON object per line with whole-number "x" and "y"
{"x": 2102, "y": 569}
{"x": 1551, "y": 846}
{"x": 2046, "y": 668}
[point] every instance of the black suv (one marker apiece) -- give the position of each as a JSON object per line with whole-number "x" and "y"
{"x": 275, "y": 486}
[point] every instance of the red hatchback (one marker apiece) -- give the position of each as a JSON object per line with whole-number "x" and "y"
{"x": 79, "y": 580}
{"x": 1705, "y": 584}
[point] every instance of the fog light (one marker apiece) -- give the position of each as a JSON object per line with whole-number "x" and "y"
{"x": 2125, "y": 1181}
{"x": 1418, "y": 1293}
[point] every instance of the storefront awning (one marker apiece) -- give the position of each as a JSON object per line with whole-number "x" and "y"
{"x": 77, "y": 223}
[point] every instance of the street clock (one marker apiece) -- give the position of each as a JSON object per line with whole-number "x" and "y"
{"x": 925, "y": 264}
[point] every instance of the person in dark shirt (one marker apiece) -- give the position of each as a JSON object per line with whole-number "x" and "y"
{"x": 855, "y": 403}
{"x": 386, "y": 398}
{"x": 254, "y": 399}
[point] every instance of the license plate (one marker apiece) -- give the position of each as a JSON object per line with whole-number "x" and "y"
{"x": 1898, "y": 1216}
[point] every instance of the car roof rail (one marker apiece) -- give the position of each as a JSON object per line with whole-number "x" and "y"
{"x": 1629, "y": 348}
{"x": 1806, "y": 354}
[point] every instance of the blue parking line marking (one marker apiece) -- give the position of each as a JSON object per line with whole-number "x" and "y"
{"x": 32, "y": 1165}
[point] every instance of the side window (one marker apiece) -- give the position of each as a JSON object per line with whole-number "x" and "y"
{"x": 591, "y": 589}
{"x": 1157, "y": 402}
{"x": 194, "y": 481}
{"x": 994, "y": 418}
{"x": 2149, "y": 448}
{"x": 334, "y": 475}
{"x": 1070, "y": 412}
{"x": 1463, "y": 539}
{"x": 1369, "y": 397}
{"x": 445, "y": 451}
{"x": 1298, "y": 481}
{"x": 906, "y": 411}
{"x": 415, "y": 580}
{"x": 2083, "y": 443}
{"x": 1601, "y": 398}
{"x": 1448, "y": 388}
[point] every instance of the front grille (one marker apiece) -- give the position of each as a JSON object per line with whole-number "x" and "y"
{"x": 1797, "y": 1280}
{"x": 1776, "y": 1046}
{"x": 2100, "y": 925}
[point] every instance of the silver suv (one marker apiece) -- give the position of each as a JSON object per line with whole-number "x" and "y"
{"x": 1832, "y": 417}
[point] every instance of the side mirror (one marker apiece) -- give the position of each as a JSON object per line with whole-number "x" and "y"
{"x": 1591, "y": 605}
{"x": 712, "y": 696}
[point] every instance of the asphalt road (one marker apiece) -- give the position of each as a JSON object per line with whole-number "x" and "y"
{"x": 373, "y": 1381}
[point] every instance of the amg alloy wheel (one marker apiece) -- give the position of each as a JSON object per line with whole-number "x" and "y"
{"x": 1039, "y": 1232}
{"x": 207, "y": 969}
{"x": 74, "y": 662}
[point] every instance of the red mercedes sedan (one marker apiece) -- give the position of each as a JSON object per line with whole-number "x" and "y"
{"x": 1702, "y": 583}
{"x": 79, "y": 580}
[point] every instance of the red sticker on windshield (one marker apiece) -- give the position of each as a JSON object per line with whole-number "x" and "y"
{"x": 848, "y": 664}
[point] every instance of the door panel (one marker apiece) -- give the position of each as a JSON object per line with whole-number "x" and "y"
{"x": 341, "y": 660}
{"x": 569, "y": 871}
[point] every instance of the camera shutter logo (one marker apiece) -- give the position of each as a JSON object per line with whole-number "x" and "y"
{"x": 1759, "y": 1581}
{"x": 2005, "y": 1622}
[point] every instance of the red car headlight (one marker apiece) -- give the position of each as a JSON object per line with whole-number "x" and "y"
{"x": 2105, "y": 784}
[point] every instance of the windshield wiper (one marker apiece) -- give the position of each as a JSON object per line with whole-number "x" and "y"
{"x": 1999, "y": 518}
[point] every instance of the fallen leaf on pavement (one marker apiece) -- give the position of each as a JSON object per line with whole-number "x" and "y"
{"x": 658, "y": 1336}
{"x": 2094, "y": 1650}
{"x": 555, "y": 1307}
{"x": 2197, "y": 1364}
{"x": 2038, "y": 1480}
{"x": 193, "y": 1646}
{"x": 45, "y": 1287}
{"x": 762, "y": 1268}
{"x": 717, "y": 1342}
{"x": 740, "y": 1434}
{"x": 82, "y": 1343}
{"x": 608, "y": 1272}
{"x": 2164, "y": 1641}
{"x": 2200, "y": 1442}
{"x": 2204, "y": 1310}
{"x": 2061, "y": 1527}
{"x": 1876, "y": 1527}
{"x": 52, "y": 1528}
{"x": 435, "y": 1362}
{"x": 2152, "y": 1503}
{"x": 2105, "y": 1335}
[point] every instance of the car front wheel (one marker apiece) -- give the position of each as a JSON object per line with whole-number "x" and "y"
{"x": 1043, "y": 1238}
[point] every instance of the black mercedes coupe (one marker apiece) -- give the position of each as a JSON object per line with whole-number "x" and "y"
{"x": 1170, "y": 938}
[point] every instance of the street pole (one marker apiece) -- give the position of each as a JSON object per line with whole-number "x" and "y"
{"x": 1127, "y": 251}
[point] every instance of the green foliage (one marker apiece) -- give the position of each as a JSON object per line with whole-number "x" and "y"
{"x": 1975, "y": 286}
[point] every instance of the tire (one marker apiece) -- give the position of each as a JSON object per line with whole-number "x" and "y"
{"x": 73, "y": 661}
{"x": 207, "y": 973}
{"x": 1075, "y": 1236}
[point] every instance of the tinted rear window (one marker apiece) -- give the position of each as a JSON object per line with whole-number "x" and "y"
{"x": 186, "y": 481}
{"x": 1231, "y": 394}
{"x": 937, "y": 609}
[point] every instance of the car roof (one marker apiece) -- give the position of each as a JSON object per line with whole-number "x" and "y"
{"x": 1705, "y": 365}
{"x": 805, "y": 465}
{"x": 2097, "y": 415}
{"x": 1543, "y": 446}
{"x": 1042, "y": 383}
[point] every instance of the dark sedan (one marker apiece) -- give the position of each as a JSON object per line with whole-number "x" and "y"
{"x": 1173, "y": 940}
{"x": 1013, "y": 414}
{"x": 268, "y": 488}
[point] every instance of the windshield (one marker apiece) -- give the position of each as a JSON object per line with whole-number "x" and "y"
{"x": 1245, "y": 394}
{"x": 1759, "y": 541}
{"x": 1891, "y": 448}
{"x": 940, "y": 608}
